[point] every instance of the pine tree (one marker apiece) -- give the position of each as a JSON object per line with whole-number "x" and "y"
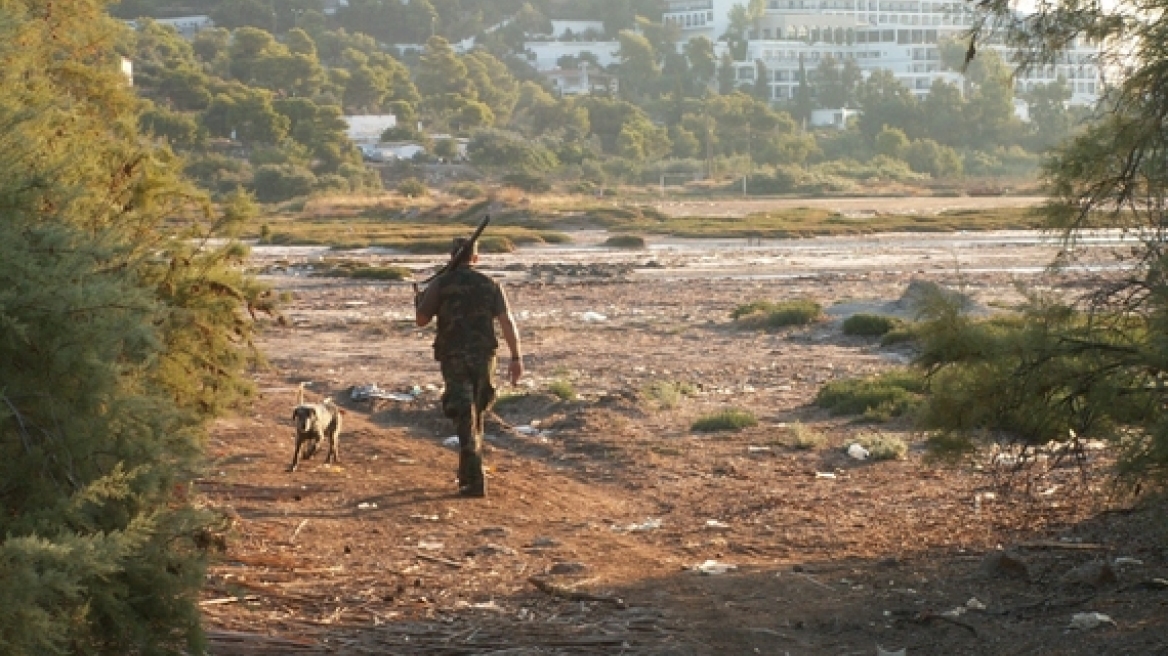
{"x": 122, "y": 331}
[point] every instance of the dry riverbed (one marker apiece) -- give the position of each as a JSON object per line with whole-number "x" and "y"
{"x": 611, "y": 527}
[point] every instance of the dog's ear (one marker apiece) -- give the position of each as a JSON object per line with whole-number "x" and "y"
{"x": 295, "y": 413}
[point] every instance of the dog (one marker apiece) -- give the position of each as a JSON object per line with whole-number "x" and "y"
{"x": 316, "y": 422}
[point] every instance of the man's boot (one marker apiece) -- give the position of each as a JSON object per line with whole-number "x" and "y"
{"x": 471, "y": 481}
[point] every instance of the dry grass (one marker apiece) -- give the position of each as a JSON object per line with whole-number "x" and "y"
{"x": 363, "y": 220}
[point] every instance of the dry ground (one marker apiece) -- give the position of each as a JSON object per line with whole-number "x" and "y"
{"x": 603, "y": 509}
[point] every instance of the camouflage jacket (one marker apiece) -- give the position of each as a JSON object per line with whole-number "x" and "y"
{"x": 466, "y": 303}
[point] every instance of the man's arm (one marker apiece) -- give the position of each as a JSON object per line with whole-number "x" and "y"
{"x": 511, "y": 336}
{"x": 426, "y": 305}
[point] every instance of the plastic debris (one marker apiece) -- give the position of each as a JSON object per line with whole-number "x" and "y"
{"x": 366, "y": 506}
{"x": 716, "y": 525}
{"x": 526, "y": 430}
{"x": 858, "y": 452}
{"x": 1088, "y": 621}
{"x": 647, "y": 525}
{"x": 819, "y": 474}
{"x": 975, "y": 604}
{"x": 713, "y": 567}
{"x": 451, "y": 441}
{"x": 1127, "y": 560}
{"x": 758, "y": 449}
{"x": 592, "y": 317}
{"x": 431, "y": 546}
{"x": 372, "y": 391}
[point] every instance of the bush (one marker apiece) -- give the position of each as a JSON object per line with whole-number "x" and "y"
{"x": 382, "y": 273}
{"x": 275, "y": 183}
{"x": 883, "y": 447}
{"x": 413, "y": 188}
{"x": 632, "y": 242}
{"x": 529, "y": 182}
{"x": 804, "y": 437}
{"x": 332, "y": 183}
{"x": 905, "y": 332}
{"x": 782, "y": 180}
{"x": 562, "y": 389}
{"x": 467, "y": 190}
{"x": 732, "y": 419}
{"x": 668, "y": 394}
{"x": 125, "y": 332}
{"x": 768, "y": 315}
{"x": 879, "y": 398}
{"x": 870, "y": 325}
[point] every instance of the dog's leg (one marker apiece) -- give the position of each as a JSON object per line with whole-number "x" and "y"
{"x": 295, "y": 455}
{"x": 333, "y": 432}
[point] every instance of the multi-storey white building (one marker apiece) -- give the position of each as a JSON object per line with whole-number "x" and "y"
{"x": 900, "y": 36}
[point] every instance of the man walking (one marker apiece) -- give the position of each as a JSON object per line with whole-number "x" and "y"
{"x": 467, "y": 303}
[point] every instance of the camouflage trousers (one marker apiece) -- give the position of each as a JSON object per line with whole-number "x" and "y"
{"x": 469, "y": 393}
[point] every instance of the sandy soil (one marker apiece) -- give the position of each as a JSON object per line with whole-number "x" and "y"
{"x": 610, "y": 526}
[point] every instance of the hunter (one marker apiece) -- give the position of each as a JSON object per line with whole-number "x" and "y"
{"x": 467, "y": 303}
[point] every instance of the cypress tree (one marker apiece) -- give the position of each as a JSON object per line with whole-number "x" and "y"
{"x": 124, "y": 327}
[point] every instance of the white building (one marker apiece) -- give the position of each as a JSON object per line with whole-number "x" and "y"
{"x": 832, "y": 118}
{"x": 545, "y": 55}
{"x": 368, "y": 128}
{"x": 576, "y": 28}
{"x": 896, "y": 35}
{"x": 187, "y": 26}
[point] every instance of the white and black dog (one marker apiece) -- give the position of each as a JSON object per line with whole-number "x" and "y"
{"x": 316, "y": 422}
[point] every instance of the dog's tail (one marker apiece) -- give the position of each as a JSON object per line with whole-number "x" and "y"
{"x": 300, "y": 394}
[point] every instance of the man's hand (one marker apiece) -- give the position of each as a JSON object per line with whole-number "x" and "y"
{"x": 515, "y": 372}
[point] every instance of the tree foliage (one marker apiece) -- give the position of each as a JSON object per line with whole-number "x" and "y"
{"x": 119, "y": 338}
{"x": 1094, "y": 366}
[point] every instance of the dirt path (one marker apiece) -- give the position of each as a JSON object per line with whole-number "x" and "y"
{"x": 613, "y": 528}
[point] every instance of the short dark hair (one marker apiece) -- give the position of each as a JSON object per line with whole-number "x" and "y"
{"x": 458, "y": 242}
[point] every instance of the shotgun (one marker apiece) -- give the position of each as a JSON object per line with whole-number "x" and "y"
{"x": 459, "y": 256}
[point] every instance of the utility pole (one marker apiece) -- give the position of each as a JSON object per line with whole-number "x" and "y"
{"x": 709, "y": 142}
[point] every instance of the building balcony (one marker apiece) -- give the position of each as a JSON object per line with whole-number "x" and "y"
{"x": 688, "y": 5}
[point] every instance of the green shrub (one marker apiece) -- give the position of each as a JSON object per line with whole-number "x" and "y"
{"x": 529, "y": 182}
{"x": 905, "y": 332}
{"x": 382, "y": 273}
{"x": 625, "y": 241}
{"x": 870, "y": 325}
{"x": 804, "y": 437}
{"x": 508, "y": 399}
{"x": 275, "y": 183}
{"x": 883, "y": 447}
{"x": 554, "y": 237}
{"x": 767, "y": 315}
{"x": 467, "y": 190}
{"x": 751, "y": 308}
{"x": 413, "y": 188}
{"x": 562, "y": 389}
{"x": 881, "y": 397}
{"x": 732, "y": 419}
{"x": 495, "y": 244}
{"x": 668, "y": 394}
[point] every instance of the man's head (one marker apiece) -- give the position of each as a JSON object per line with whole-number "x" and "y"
{"x": 467, "y": 258}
